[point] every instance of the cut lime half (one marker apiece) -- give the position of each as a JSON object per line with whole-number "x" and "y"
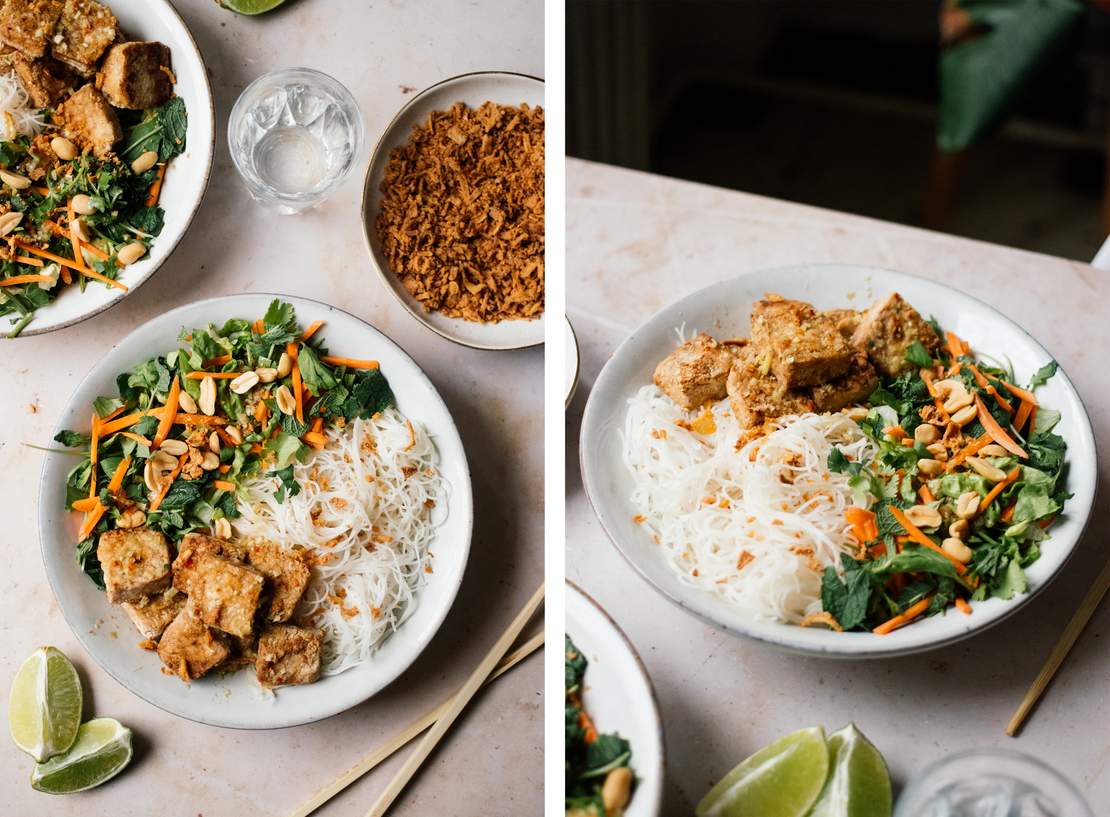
{"x": 44, "y": 705}
{"x": 250, "y": 6}
{"x": 101, "y": 751}
{"x": 859, "y": 783}
{"x": 780, "y": 780}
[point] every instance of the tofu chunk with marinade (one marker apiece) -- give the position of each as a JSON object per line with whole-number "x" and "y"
{"x": 136, "y": 563}
{"x": 286, "y": 577}
{"x": 44, "y": 81}
{"x": 756, "y": 395}
{"x": 152, "y": 615}
{"x": 195, "y": 545}
{"x": 695, "y": 373}
{"x": 853, "y": 387}
{"x": 805, "y": 347}
{"x": 226, "y": 595}
{"x": 887, "y": 329}
{"x": 288, "y": 655}
{"x": 189, "y": 648}
{"x": 845, "y": 320}
{"x": 87, "y": 118}
{"x": 85, "y": 29}
{"x": 29, "y": 25}
{"x": 136, "y": 75}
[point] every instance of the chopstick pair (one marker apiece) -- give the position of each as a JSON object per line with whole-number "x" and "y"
{"x": 1070, "y": 635}
{"x": 495, "y": 664}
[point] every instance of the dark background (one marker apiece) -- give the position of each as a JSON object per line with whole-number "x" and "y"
{"x": 834, "y": 103}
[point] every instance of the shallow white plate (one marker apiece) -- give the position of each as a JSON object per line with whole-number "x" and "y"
{"x": 722, "y": 309}
{"x": 619, "y": 696}
{"x": 498, "y": 86}
{"x": 570, "y": 363}
{"x": 233, "y": 700}
{"x": 186, "y": 177}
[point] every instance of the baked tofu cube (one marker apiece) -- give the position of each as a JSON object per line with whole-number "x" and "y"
{"x": 226, "y": 595}
{"x": 286, "y": 574}
{"x": 88, "y": 118}
{"x": 756, "y": 395}
{"x": 845, "y": 320}
{"x": 136, "y": 75}
{"x": 854, "y": 387}
{"x": 887, "y": 330}
{"x": 85, "y": 29}
{"x": 28, "y": 25}
{"x": 195, "y": 545}
{"x": 695, "y": 373}
{"x": 44, "y": 86}
{"x": 153, "y": 614}
{"x": 189, "y": 649}
{"x": 136, "y": 563}
{"x": 804, "y": 344}
{"x": 288, "y": 655}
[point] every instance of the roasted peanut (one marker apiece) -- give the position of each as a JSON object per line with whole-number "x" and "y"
{"x": 967, "y": 505}
{"x": 957, "y": 550}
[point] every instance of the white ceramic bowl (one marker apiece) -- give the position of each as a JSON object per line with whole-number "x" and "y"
{"x": 571, "y": 362}
{"x": 186, "y": 178}
{"x": 619, "y": 696}
{"x": 498, "y": 86}
{"x": 723, "y": 309}
{"x": 233, "y": 700}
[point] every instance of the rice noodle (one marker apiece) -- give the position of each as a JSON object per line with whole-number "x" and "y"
{"x": 19, "y": 119}
{"x": 368, "y": 509}
{"x": 706, "y": 503}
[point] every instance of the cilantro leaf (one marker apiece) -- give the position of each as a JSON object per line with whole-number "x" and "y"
{"x": 288, "y": 485}
{"x": 847, "y": 601}
{"x": 316, "y": 376}
{"x": 918, "y": 355}
{"x": 71, "y": 439}
{"x": 1043, "y": 374}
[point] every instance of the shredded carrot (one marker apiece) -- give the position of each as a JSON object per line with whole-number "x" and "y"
{"x": 86, "y": 505}
{"x": 15, "y": 280}
{"x": 968, "y": 450}
{"x": 923, "y": 540}
{"x": 56, "y": 229}
{"x": 864, "y": 526}
{"x": 1023, "y": 412}
{"x": 318, "y": 424}
{"x": 956, "y": 347}
{"x": 986, "y": 385}
{"x": 298, "y": 395}
{"x": 1020, "y": 393}
{"x": 182, "y": 419}
{"x": 71, "y": 263}
{"x": 261, "y": 411}
{"x": 1032, "y": 421}
{"x": 895, "y": 432}
{"x": 588, "y": 725}
{"x": 350, "y": 363}
{"x": 225, "y": 437}
{"x": 963, "y": 606}
{"x": 74, "y": 239}
{"x": 94, "y": 452}
{"x": 166, "y": 423}
{"x": 996, "y": 431}
{"x": 1008, "y": 513}
{"x": 91, "y": 520}
{"x": 1048, "y": 520}
{"x": 925, "y": 494}
{"x": 903, "y": 618}
{"x": 225, "y": 468}
{"x": 95, "y": 251}
{"x": 42, "y": 191}
{"x": 312, "y": 329}
{"x": 218, "y": 360}
{"x": 116, "y": 481}
{"x": 156, "y": 188}
{"x": 315, "y": 439}
{"x": 139, "y": 438}
{"x": 30, "y": 261}
{"x": 259, "y": 327}
{"x": 214, "y": 375}
{"x": 224, "y": 485}
{"x": 927, "y": 376}
{"x": 165, "y": 486}
{"x": 999, "y": 487}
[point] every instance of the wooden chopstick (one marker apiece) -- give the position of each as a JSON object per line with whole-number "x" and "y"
{"x": 405, "y": 735}
{"x": 1071, "y": 633}
{"x": 458, "y": 703}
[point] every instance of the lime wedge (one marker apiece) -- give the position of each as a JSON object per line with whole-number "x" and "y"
{"x": 859, "y": 783}
{"x": 102, "y": 749}
{"x": 780, "y": 780}
{"x": 44, "y": 705}
{"x": 250, "y": 6}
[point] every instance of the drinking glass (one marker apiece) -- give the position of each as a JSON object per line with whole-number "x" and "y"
{"x": 294, "y": 136}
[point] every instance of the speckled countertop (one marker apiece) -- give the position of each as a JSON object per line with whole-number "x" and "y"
{"x": 637, "y": 243}
{"x": 383, "y": 52}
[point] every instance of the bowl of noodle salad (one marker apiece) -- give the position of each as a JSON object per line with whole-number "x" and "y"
{"x": 856, "y": 463}
{"x": 293, "y": 491}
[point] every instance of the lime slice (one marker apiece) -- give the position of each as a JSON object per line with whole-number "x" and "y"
{"x": 251, "y": 6}
{"x": 859, "y": 783}
{"x": 102, "y": 749}
{"x": 780, "y": 780}
{"x": 44, "y": 705}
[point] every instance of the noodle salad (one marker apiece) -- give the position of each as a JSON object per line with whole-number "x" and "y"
{"x": 851, "y": 470}
{"x": 250, "y": 481}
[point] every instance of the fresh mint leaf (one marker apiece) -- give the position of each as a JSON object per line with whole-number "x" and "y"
{"x": 847, "y": 601}
{"x": 288, "y": 485}
{"x": 918, "y": 355}
{"x": 1043, "y": 375}
{"x": 316, "y": 376}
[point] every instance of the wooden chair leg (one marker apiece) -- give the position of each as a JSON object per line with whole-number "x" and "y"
{"x": 941, "y": 188}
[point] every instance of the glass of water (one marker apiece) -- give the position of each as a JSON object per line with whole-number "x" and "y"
{"x": 991, "y": 783}
{"x": 294, "y": 136}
